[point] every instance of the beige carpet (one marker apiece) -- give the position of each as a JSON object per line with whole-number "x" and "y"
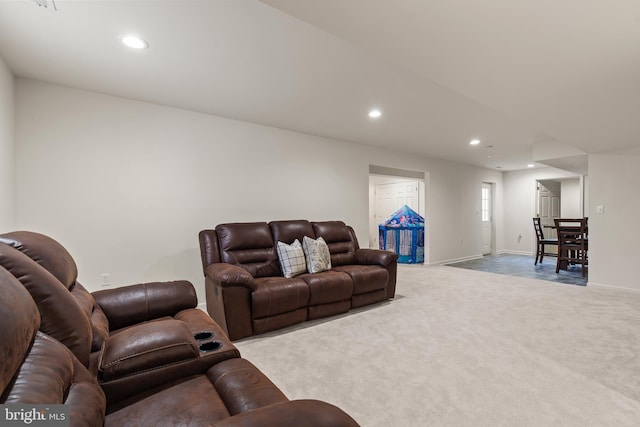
{"x": 467, "y": 348}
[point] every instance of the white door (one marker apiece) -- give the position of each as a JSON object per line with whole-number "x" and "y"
{"x": 548, "y": 206}
{"x": 389, "y": 198}
{"x": 487, "y": 221}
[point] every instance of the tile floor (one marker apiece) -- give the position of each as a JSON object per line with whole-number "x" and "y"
{"x": 522, "y": 266}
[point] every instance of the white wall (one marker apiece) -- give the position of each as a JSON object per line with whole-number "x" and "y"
{"x": 520, "y": 206}
{"x": 614, "y": 235}
{"x": 571, "y": 198}
{"x": 7, "y": 155}
{"x": 453, "y": 211}
{"x": 126, "y": 186}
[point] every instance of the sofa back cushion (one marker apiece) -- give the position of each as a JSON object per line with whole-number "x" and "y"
{"x": 19, "y": 322}
{"x": 249, "y": 245}
{"x": 45, "y": 251}
{"x": 339, "y": 239}
{"x": 55, "y": 259}
{"x": 37, "y": 369}
{"x": 288, "y": 231}
{"x": 209, "y": 249}
{"x": 61, "y": 315}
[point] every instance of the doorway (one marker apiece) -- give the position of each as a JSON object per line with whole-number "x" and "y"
{"x": 389, "y": 190}
{"x": 558, "y": 198}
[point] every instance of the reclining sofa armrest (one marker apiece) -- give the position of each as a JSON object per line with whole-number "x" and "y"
{"x": 228, "y": 275}
{"x": 133, "y": 304}
{"x": 310, "y": 413}
{"x": 375, "y": 257}
{"x": 228, "y": 288}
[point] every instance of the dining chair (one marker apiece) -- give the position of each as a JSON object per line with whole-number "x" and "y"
{"x": 573, "y": 243}
{"x": 541, "y": 241}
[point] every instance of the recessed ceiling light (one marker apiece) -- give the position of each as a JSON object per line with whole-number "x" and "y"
{"x": 134, "y": 42}
{"x": 374, "y": 114}
{"x": 531, "y": 165}
{"x": 474, "y": 142}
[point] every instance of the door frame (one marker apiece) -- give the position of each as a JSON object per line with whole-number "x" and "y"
{"x": 583, "y": 190}
{"x": 400, "y": 174}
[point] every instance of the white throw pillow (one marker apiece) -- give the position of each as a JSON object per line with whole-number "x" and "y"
{"x": 317, "y": 253}
{"x": 292, "y": 261}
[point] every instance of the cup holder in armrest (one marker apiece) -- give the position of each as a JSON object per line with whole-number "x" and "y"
{"x": 210, "y": 346}
{"x": 204, "y": 335}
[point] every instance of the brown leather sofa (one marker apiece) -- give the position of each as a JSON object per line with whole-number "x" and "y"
{"x": 247, "y": 293}
{"x": 136, "y": 355}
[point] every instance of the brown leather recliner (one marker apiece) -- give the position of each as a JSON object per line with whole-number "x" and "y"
{"x": 247, "y": 293}
{"x": 131, "y": 338}
{"x": 38, "y": 369}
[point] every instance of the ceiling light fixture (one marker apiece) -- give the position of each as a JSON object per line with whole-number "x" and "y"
{"x": 374, "y": 114}
{"x": 474, "y": 142}
{"x": 531, "y": 165}
{"x": 134, "y": 42}
{"x": 45, "y": 4}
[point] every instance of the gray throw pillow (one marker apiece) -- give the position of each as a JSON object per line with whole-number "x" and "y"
{"x": 317, "y": 254}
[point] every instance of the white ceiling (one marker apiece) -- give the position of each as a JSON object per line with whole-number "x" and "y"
{"x": 513, "y": 73}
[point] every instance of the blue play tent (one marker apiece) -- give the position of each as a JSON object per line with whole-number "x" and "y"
{"x": 403, "y": 233}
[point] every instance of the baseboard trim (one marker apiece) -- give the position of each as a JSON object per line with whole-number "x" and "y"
{"x": 601, "y": 285}
{"x": 510, "y": 252}
{"x": 478, "y": 256}
{"x": 454, "y": 260}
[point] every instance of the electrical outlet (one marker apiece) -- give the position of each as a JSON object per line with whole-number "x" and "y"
{"x": 105, "y": 279}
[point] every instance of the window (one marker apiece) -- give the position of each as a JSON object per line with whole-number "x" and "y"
{"x": 486, "y": 201}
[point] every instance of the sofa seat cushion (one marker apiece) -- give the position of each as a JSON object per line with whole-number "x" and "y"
{"x": 276, "y": 295}
{"x": 147, "y": 346}
{"x": 328, "y": 287}
{"x": 230, "y": 387}
{"x": 193, "y": 402}
{"x": 366, "y": 278}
